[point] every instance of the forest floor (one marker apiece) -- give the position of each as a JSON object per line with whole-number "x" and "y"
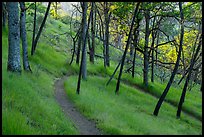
{"x": 85, "y": 126}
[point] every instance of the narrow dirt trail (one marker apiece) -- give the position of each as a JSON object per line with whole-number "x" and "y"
{"x": 85, "y": 126}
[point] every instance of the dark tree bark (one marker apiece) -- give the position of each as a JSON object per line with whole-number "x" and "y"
{"x": 187, "y": 79}
{"x": 136, "y": 36}
{"x": 154, "y": 34}
{"x": 126, "y": 48}
{"x": 4, "y": 14}
{"x": 93, "y": 26}
{"x": 156, "y": 49}
{"x": 40, "y": 30}
{"x": 79, "y": 44}
{"x": 34, "y": 29}
{"x": 161, "y": 99}
{"x": 111, "y": 77}
{"x": 146, "y": 62}
{"x": 74, "y": 39}
{"x": 102, "y": 37}
{"x": 26, "y": 65}
{"x": 131, "y": 51}
{"x": 82, "y": 71}
{"x": 106, "y": 40}
{"x": 14, "y": 64}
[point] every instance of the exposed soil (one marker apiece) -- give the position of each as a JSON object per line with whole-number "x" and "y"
{"x": 84, "y": 126}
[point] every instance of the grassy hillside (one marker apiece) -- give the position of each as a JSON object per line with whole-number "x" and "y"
{"x": 28, "y": 103}
{"x": 128, "y": 113}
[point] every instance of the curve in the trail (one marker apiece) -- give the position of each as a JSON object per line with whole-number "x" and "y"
{"x": 85, "y": 126}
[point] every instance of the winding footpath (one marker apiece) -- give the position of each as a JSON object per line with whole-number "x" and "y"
{"x": 84, "y": 126}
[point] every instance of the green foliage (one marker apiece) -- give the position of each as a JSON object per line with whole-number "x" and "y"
{"x": 193, "y": 11}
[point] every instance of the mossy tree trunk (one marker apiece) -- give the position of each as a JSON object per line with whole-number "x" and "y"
{"x": 146, "y": 62}
{"x": 14, "y": 64}
{"x": 26, "y": 65}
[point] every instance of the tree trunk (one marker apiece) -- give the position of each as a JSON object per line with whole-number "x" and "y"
{"x": 146, "y": 62}
{"x": 3, "y": 14}
{"x": 107, "y": 21}
{"x": 84, "y": 26}
{"x": 161, "y": 99}
{"x": 152, "y": 47}
{"x": 34, "y": 29}
{"x": 79, "y": 44}
{"x": 187, "y": 80}
{"x": 82, "y": 71}
{"x": 74, "y": 39}
{"x": 136, "y": 36}
{"x": 156, "y": 56}
{"x": 40, "y": 30}
{"x": 126, "y": 48}
{"x": 93, "y": 25}
{"x": 26, "y": 65}
{"x": 14, "y": 64}
{"x": 102, "y": 36}
{"x": 113, "y": 73}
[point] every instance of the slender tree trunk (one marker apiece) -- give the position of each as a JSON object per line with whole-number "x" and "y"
{"x": 161, "y": 99}
{"x": 136, "y": 36}
{"x": 83, "y": 58}
{"x": 26, "y": 65}
{"x": 34, "y": 29}
{"x": 79, "y": 44}
{"x": 187, "y": 80}
{"x": 131, "y": 51}
{"x": 74, "y": 50}
{"x": 74, "y": 39}
{"x": 14, "y": 64}
{"x": 126, "y": 48}
{"x": 146, "y": 62}
{"x": 152, "y": 47}
{"x": 3, "y": 14}
{"x": 113, "y": 73}
{"x": 102, "y": 36}
{"x": 156, "y": 56}
{"x": 89, "y": 45}
{"x": 40, "y": 30}
{"x": 93, "y": 25}
{"x": 107, "y": 20}
{"x": 84, "y": 35}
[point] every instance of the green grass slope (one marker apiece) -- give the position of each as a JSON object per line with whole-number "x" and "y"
{"x": 130, "y": 112}
{"x": 28, "y": 103}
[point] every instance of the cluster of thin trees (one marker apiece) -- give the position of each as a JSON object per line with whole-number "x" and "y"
{"x": 144, "y": 19}
{"x": 153, "y": 23}
{"x": 17, "y": 32}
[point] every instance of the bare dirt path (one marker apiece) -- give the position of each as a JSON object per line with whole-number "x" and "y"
{"x": 85, "y": 126}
